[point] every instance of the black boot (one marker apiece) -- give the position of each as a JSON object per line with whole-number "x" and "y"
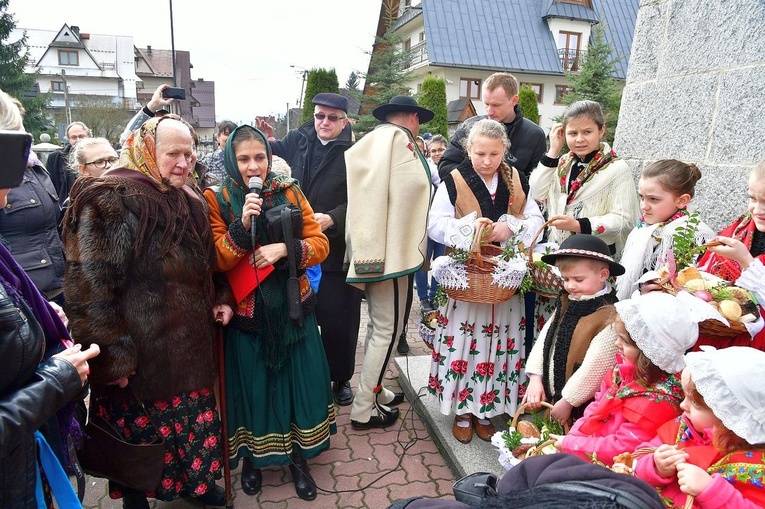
{"x": 215, "y": 496}
{"x": 133, "y": 499}
{"x": 252, "y": 478}
{"x": 305, "y": 487}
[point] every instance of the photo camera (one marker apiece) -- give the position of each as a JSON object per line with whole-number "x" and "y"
{"x": 174, "y": 93}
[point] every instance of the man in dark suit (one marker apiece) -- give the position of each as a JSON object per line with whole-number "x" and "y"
{"x": 527, "y": 140}
{"x": 315, "y": 152}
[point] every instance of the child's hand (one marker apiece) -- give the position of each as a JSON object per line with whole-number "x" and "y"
{"x": 499, "y": 232}
{"x": 535, "y": 393}
{"x": 558, "y": 441}
{"x": 666, "y": 458}
{"x": 733, "y": 249}
{"x": 482, "y": 222}
{"x": 557, "y": 139}
{"x": 566, "y": 223}
{"x": 649, "y": 287}
{"x": 561, "y": 411}
{"x": 692, "y": 479}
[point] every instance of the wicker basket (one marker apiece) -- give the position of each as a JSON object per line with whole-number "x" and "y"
{"x": 481, "y": 288}
{"x": 535, "y": 450}
{"x": 522, "y": 408}
{"x": 715, "y": 329}
{"x": 544, "y": 280}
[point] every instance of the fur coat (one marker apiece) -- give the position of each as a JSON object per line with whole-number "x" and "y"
{"x": 139, "y": 283}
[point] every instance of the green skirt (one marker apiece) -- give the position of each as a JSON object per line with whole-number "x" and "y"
{"x": 272, "y": 415}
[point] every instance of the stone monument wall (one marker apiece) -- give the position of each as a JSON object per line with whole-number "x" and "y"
{"x": 695, "y": 91}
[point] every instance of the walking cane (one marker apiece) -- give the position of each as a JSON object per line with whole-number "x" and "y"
{"x": 223, "y": 419}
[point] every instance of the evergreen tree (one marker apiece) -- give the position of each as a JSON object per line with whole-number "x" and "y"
{"x": 14, "y": 56}
{"x": 319, "y": 80}
{"x": 353, "y": 82}
{"x": 595, "y": 79}
{"x": 388, "y": 71}
{"x": 527, "y": 100}
{"x": 433, "y": 97}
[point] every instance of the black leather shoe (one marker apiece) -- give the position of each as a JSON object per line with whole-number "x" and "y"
{"x": 252, "y": 478}
{"x": 342, "y": 393}
{"x": 134, "y": 500}
{"x": 398, "y": 398}
{"x": 305, "y": 487}
{"x": 403, "y": 346}
{"x": 383, "y": 420}
{"x": 216, "y": 496}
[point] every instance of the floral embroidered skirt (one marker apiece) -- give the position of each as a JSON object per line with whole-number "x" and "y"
{"x": 477, "y": 360}
{"x": 189, "y": 424}
{"x": 543, "y": 310}
{"x": 271, "y": 415}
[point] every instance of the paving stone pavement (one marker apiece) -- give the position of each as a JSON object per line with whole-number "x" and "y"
{"x": 360, "y": 470}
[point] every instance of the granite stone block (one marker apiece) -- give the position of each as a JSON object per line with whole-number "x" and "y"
{"x": 666, "y": 119}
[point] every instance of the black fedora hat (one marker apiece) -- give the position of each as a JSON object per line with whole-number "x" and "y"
{"x": 585, "y": 246}
{"x": 403, "y": 103}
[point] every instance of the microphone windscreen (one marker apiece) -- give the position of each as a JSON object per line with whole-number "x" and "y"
{"x": 256, "y": 185}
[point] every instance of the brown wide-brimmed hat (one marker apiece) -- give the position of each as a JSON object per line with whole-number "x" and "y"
{"x": 403, "y": 103}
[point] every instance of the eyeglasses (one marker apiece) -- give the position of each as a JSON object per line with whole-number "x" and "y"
{"x": 332, "y": 118}
{"x": 104, "y": 163}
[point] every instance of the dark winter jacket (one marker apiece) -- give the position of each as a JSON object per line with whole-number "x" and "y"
{"x": 29, "y": 224}
{"x": 527, "y": 145}
{"x": 58, "y": 168}
{"x": 143, "y": 294}
{"x": 326, "y": 190}
{"x": 30, "y": 394}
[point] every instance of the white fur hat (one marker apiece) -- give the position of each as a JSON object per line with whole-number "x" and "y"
{"x": 727, "y": 379}
{"x": 662, "y": 326}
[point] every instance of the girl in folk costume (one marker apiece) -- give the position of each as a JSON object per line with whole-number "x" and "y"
{"x": 715, "y": 451}
{"x": 666, "y": 187}
{"x": 588, "y": 190}
{"x": 740, "y": 259}
{"x": 643, "y": 390}
{"x": 280, "y": 408}
{"x": 478, "y": 350}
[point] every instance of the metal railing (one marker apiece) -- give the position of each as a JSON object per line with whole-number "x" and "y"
{"x": 418, "y": 54}
{"x": 570, "y": 59}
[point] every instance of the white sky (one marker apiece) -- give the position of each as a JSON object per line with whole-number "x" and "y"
{"x": 245, "y": 46}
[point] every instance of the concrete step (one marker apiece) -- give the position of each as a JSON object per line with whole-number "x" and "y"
{"x": 463, "y": 459}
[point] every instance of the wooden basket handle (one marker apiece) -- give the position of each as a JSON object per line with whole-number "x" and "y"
{"x": 537, "y": 448}
{"x": 536, "y": 237}
{"x": 475, "y": 247}
{"x": 523, "y": 407}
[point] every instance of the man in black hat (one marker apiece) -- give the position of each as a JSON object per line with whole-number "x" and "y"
{"x": 315, "y": 152}
{"x": 388, "y": 200}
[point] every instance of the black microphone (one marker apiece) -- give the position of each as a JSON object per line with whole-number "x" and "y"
{"x": 256, "y": 186}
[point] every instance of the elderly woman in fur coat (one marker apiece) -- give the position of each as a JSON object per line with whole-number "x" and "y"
{"x": 139, "y": 282}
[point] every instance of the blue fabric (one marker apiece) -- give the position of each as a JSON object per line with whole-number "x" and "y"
{"x": 421, "y": 277}
{"x": 314, "y": 276}
{"x": 62, "y": 490}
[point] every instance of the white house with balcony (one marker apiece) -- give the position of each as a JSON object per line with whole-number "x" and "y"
{"x": 465, "y": 41}
{"x": 74, "y": 65}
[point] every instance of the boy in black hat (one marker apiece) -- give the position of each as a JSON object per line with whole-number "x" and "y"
{"x": 575, "y": 348}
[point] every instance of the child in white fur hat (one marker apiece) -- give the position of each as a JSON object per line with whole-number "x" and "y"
{"x": 642, "y": 391}
{"x": 715, "y": 451}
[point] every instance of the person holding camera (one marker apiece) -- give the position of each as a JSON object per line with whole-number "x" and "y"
{"x": 278, "y": 397}
{"x": 42, "y": 373}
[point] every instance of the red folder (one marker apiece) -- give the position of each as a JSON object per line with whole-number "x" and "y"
{"x": 243, "y": 278}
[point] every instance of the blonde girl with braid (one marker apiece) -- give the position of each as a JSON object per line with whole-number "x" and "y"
{"x": 477, "y": 367}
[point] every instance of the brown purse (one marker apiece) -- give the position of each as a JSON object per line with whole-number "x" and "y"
{"x": 105, "y": 453}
